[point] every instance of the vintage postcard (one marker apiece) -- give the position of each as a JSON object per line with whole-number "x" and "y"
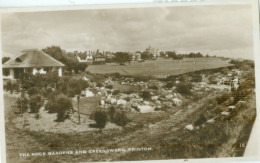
{"x": 136, "y": 82}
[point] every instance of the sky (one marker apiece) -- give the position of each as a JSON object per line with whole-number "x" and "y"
{"x": 221, "y": 30}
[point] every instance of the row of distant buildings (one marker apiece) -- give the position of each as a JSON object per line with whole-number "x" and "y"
{"x": 97, "y": 56}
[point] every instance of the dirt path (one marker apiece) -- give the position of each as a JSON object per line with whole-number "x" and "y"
{"x": 16, "y": 143}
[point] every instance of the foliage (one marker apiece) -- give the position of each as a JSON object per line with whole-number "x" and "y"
{"x": 11, "y": 86}
{"x": 120, "y": 119}
{"x": 5, "y": 59}
{"x": 47, "y": 92}
{"x": 51, "y": 106}
{"x": 100, "y": 118}
{"x": 75, "y": 86}
{"x": 69, "y": 60}
{"x": 33, "y": 91}
{"x": 169, "y": 84}
{"x": 63, "y": 105}
{"x": 145, "y": 95}
{"x": 109, "y": 86}
{"x": 115, "y": 92}
{"x": 22, "y": 104}
{"x": 35, "y": 103}
{"x": 99, "y": 85}
{"x": 184, "y": 88}
{"x": 122, "y": 57}
{"x": 196, "y": 78}
{"x": 224, "y": 97}
{"x": 153, "y": 87}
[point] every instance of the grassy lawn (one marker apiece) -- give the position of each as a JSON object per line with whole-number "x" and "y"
{"x": 87, "y": 105}
{"x": 159, "y": 67}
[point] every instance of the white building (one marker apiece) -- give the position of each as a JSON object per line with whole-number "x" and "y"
{"x": 31, "y": 61}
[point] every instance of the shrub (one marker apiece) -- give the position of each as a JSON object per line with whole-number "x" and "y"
{"x": 153, "y": 87}
{"x": 196, "y": 78}
{"x": 63, "y": 105}
{"x": 184, "y": 88}
{"x": 169, "y": 85}
{"x": 99, "y": 85}
{"x": 146, "y": 95}
{"x": 35, "y": 103}
{"x": 22, "y": 104}
{"x": 33, "y": 91}
{"x": 222, "y": 98}
{"x": 74, "y": 87}
{"x": 120, "y": 119}
{"x": 47, "y": 92}
{"x": 115, "y": 92}
{"x": 11, "y": 86}
{"x": 202, "y": 119}
{"x": 109, "y": 86}
{"x": 100, "y": 118}
{"x": 51, "y": 106}
{"x": 111, "y": 113}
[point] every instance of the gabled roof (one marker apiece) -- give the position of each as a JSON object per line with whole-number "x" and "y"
{"x": 32, "y": 58}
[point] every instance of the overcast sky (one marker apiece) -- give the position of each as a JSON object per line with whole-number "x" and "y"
{"x": 216, "y": 30}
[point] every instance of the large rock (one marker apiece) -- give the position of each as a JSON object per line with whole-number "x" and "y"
{"x": 145, "y": 108}
{"x": 169, "y": 96}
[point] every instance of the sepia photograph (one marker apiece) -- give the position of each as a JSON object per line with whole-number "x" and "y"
{"x": 130, "y": 83}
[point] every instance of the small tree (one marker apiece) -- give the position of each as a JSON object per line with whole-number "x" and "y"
{"x": 35, "y": 104}
{"x": 22, "y": 104}
{"x": 9, "y": 86}
{"x": 63, "y": 104}
{"x": 100, "y": 118}
{"x": 120, "y": 119}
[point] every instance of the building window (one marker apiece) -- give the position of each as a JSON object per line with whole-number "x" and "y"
{"x": 6, "y": 72}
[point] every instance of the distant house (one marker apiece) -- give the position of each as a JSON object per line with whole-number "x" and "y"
{"x": 85, "y": 58}
{"x": 31, "y": 61}
{"x": 136, "y": 56}
{"x": 99, "y": 57}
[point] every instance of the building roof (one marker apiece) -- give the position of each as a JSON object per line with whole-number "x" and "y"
{"x": 32, "y": 58}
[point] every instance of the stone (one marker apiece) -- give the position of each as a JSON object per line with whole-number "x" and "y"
{"x": 189, "y": 127}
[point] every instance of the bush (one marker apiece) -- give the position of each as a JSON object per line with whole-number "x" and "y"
{"x": 169, "y": 85}
{"x": 115, "y": 92}
{"x": 184, "y": 88}
{"x": 146, "y": 95}
{"x": 120, "y": 119}
{"x": 35, "y": 103}
{"x": 63, "y": 105}
{"x": 51, "y": 106}
{"x": 100, "y": 118}
{"x": 74, "y": 87}
{"x": 153, "y": 87}
{"x": 11, "y": 86}
{"x": 109, "y": 86}
{"x": 111, "y": 113}
{"x": 222, "y": 98}
{"x": 99, "y": 85}
{"x": 33, "y": 91}
{"x": 22, "y": 104}
{"x": 196, "y": 78}
{"x": 47, "y": 92}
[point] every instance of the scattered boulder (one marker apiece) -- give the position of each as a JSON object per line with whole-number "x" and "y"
{"x": 177, "y": 101}
{"x": 225, "y": 113}
{"x": 170, "y": 96}
{"x": 189, "y": 127}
